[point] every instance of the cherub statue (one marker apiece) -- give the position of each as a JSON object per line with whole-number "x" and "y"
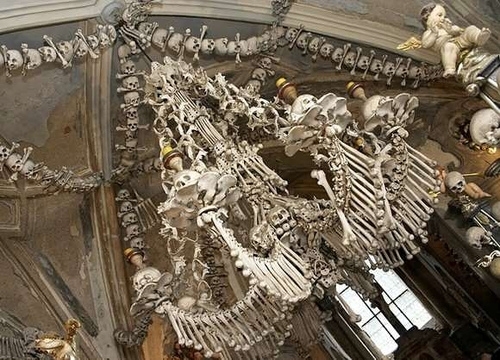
{"x": 442, "y": 36}
{"x": 57, "y": 347}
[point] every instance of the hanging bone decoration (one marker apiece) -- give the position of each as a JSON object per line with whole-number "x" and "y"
{"x": 290, "y": 248}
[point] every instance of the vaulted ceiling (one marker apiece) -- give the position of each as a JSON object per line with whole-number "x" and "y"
{"x": 61, "y": 254}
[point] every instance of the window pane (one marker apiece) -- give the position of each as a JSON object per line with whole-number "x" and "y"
{"x": 388, "y": 326}
{"x": 357, "y": 305}
{"x": 390, "y": 282}
{"x": 400, "y": 317}
{"x": 380, "y": 337}
{"x": 413, "y": 309}
{"x": 341, "y": 287}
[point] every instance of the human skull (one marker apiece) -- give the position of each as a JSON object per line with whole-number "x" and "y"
{"x": 111, "y": 31}
{"x": 124, "y": 52}
{"x": 326, "y": 50}
{"x": 259, "y": 74}
{"x": 193, "y": 44}
{"x": 145, "y": 276}
{"x": 350, "y": 59}
{"x": 157, "y": 164}
{"x": 233, "y": 48}
{"x": 159, "y": 37}
{"x": 131, "y": 144}
{"x": 14, "y": 162}
{"x": 253, "y": 86}
{"x": 264, "y": 42}
{"x": 455, "y": 182}
{"x": 252, "y": 45}
{"x": 303, "y": 40}
{"x": 175, "y": 42}
{"x": 104, "y": 40}
{"x": 138, "y": 243}
{"x": 265, "y": 63}
{"x": 314, "y": 44}
{"x": 47, "y": 53}
{"x": 129, "y": 219}
{"x": 132, "y": 125}
{"x": 122, "y": 195}
{"x": 14, "y": 60}
{"x": 291, "y": 34}
{"x": 131, "y": 83}
{"x": 81, "y": 49}
{"x": 132, "y": 98}
{"x": 220, "y": 46}
{"x": 186, "y": 303}
{"x": 132, "y": 231}
{"x": 147, "y": 28}
{"x": 363, "y": 62}
{"x": 128, "y": 67}
{"x": 484, "y": 127}
{"x": 4, "y": 153}
{"x": 66, "y": 49}
{"x": 32, "y": 59}
{"x": 477, "y": 236}
{"x": 185, "y": 178}
{"x": 243, "y": 44}
{"x": 303, "y": 103}
{"x": 131, "y": 113}
{"x": 93, "y": 42}
{"x": 376, "y": 66}
{"x": 337, "y": 55}
{"x": 278, "y": 215}
{"x": 126, "y": 207}
{"x": 207, "y": 46}
{"x": 263, "y": 237}
{"x": 402, "y": 71}
{"x": 415, "y": 72}
{"x": 27, "y": 169}
{"x": 389, "y": 69}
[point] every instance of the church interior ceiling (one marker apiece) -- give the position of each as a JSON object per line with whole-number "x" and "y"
{"x": 213, "y": 179}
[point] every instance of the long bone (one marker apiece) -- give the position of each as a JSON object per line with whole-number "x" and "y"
{"x": 419, "y": 216}
{"x": 189, "y": 331}
{"x": 285, "y": 281}
{"x": 49, "y": 41}
{"x": 424, "y": 173}
{"x": 346, "y": 48}
{"x": 253, "y": 319}
{"x": 79, "y": 34}
{"x": 359, "y": 50}
{"x": 377, "y": 75}
{"x": 182, "y": 325}
{"x": 408, "y": 62}
{"x": 348, "y": 236}
{"x": 372, "y": 55}
{"x": 408, "y": 220}
{"x": 422, "y": 191}
{"x": 245, "y": 324}
{"x": 173, "y": 320}
{"x": 423, "y": 207}
{"x": 424, "y": 180}
{"x": 245, "y": 344}
{"x": 398, "y": 63}
{"x": 208, "y": 350}
{"x": 206, "y": 334}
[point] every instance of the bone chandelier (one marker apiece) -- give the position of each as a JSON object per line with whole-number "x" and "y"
{"x": 223, "y": 202}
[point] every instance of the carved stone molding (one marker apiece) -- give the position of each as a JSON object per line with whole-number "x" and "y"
{"x": 10, "y": 215}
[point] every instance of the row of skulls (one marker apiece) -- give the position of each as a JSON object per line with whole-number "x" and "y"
{"x": 350, "y": 57}
{"x": 130, "y": 219}
{"x": 132, "y": 100}
{"x": 63, "y": 51}
{"x": 52, "y": 180}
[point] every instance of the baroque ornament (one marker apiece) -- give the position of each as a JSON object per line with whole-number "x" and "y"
{"x": 226, "y": 213}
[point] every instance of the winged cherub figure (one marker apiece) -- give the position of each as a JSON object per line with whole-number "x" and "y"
{"x": 57, "y": 347}
{"x": 445, "y": 38}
